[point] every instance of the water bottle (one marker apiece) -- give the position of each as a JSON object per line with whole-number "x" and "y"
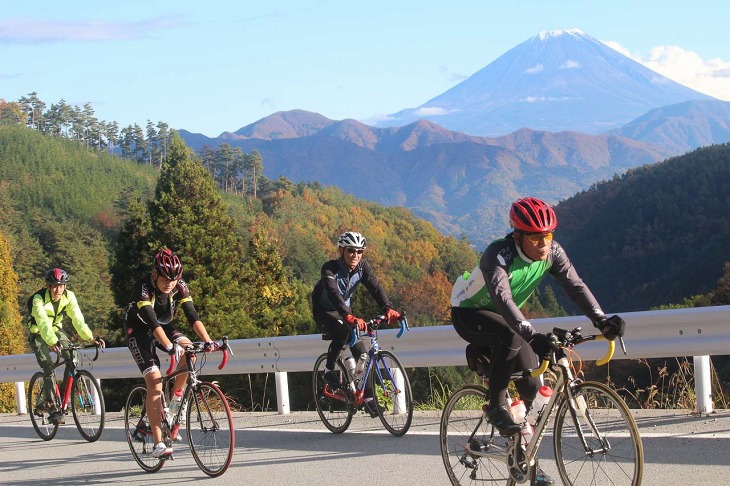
{"x": 176, "y": 401}
{"x": 538, "y": 405}
{"x": 517, "y": 411}
{"x": 350, "y": 366}
{"x": 361, "y": 364}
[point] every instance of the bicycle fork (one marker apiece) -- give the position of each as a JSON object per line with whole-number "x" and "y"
{"x": 580, "y": 415}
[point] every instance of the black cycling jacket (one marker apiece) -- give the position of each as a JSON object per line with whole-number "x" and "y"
{"x": 337, "y": 284}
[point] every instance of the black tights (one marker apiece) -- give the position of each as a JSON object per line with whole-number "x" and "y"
{"x": 341, "y": 334}
{"x": 510, "y": 352}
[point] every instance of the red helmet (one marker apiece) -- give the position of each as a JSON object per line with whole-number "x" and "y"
{"x": 56, "y": 276}
{"x": 167, "y": 264}
{"x": 532, "y": 215}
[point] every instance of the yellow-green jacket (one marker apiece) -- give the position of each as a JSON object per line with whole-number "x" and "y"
{"x": 47, "y": 316}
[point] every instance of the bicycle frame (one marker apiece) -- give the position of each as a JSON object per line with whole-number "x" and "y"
{"x": 358, "y": 383}
{"x": 63, "y": 402}
{"x": 191, "y": 384}
{"x": 519, "y": 458}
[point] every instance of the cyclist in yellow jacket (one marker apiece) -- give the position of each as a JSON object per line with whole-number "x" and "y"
{"x": 48, "y": 307}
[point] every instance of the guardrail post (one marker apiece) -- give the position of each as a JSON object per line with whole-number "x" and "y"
{"x": 97, "y": 400}
{"x": 399, "y": 404}
{"x": 282, "y": 392}
{"x": 703, "y": 384}
{"x": 20, "y": 397}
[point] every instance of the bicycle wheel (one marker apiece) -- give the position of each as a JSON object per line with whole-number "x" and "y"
{"x": 84, "y": 404}
{"x": 210, "y": 429}
{"x": 614, "y": 455}
{"x": 139, "y": 432}
{"x": 392, "y": 393}
{"x": 466, "y": 438}
{"x": 39, "y": 417}
{"x": 336, "y": 414}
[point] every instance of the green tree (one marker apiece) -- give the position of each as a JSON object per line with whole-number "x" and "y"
{"x": 187, "y": 216}
{"x": 273, "y": 301}
{"x": 254, "y": 167}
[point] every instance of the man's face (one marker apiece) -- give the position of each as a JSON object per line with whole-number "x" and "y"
{"x": 56, "y": 291}
{"x": 164, "y": 284}
{"x": 536, "y": 245}
{"x": 352, "y": 256}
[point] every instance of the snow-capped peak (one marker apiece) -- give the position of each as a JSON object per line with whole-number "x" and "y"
{"x": 546, "y": 34}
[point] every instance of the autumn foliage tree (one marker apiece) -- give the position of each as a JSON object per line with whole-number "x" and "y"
{"x": 11, "y": 329}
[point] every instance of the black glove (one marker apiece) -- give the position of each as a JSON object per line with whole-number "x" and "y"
{"x": 612, "y": 327}
{"x": 542, "y": 346}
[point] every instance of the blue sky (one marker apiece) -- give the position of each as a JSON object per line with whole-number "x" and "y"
{"x": 217, "y": 66}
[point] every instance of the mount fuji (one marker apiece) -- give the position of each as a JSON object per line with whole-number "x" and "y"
{"x": 563, "y": 80}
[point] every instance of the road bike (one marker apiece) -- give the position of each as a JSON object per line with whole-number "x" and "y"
{"x": 382, "y": 373}
{"x": 204, "y": 411}
{"x": 81, "y": 391}
{"x": 595, "y": 438}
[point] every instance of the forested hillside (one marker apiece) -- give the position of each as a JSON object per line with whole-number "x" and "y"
{"x": 64, "y": 204}
{"x": 655, "y": 235}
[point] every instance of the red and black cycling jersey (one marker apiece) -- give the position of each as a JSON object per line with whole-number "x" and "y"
{"x": 149, "y": 308}
{"x": 337, "y": 284}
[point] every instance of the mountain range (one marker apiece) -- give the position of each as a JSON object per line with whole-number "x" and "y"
{"x": 464, "y": 183}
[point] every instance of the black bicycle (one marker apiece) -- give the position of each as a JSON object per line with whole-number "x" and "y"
{"x": 382, "y": 373}
{"x": 204, "y": 411}
{"x": 82, "y": 392}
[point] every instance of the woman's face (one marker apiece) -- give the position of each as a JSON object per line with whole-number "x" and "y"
{"x": 164, "y": 284}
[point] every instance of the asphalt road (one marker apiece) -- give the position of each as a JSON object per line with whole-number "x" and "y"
{"x": 296, "y": 449}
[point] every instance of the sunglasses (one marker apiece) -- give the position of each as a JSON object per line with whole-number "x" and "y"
{"x": 352, "y": 251}
{"x": 536, "y": 238}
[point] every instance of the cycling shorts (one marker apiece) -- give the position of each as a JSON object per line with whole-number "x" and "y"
{"x": 142, "y": 345}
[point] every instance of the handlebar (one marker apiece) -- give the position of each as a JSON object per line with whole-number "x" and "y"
{"x": 374, "y": 323}
{"x": 76, "y": 347}
{"x": 203, "y": 347}
{"x": 569, "y": 339}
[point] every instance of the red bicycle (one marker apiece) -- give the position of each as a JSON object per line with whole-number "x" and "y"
{"x": 82, "y": 392}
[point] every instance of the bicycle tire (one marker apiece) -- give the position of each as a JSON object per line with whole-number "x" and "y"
{"x": 139, "y": 432}
{"x": 463, "y": 430}
{"x": 211, "y": 434}
{"x": 391, "y": 393}
{"x": 46, "y": 430}
{"x": 622, "y": 463}
{"x": 83, "y": 405}
{"x": 335, "y": 414}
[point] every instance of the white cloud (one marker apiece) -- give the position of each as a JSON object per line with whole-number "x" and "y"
{"x": 35, "y": 30}
{"x": 432, "y": 111}
{"x": 570, "y": 65}
{"x": 537, "y": 68}
{"x": 543, "y": 99}
{"x": 711, "y": 76}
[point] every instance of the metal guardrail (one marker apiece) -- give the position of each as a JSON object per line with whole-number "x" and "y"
{"x": 701, "y": 331}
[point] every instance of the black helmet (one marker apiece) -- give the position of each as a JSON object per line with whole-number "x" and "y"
{"x": 167, "y": 264}
{"x": 56, "y": 276}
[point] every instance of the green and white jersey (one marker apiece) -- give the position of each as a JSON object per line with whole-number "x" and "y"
{"x": 505, "y": 278}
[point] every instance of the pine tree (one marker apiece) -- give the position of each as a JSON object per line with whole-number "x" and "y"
{"x": 273, "y": 300}
{"x": 187, "y": 216}
{"x": 11, "y": 329}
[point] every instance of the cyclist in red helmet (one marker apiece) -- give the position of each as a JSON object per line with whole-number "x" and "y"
{"x": 47, "y": 309}
{"x": 149, "y": 325}
{"x": 485, "y": 306}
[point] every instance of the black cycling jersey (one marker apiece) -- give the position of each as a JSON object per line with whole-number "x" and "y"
{"x": 149, "y": 308}
{"x": 337, "y": 284}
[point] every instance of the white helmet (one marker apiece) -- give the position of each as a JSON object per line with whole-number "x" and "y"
{"x": 351, "y": 239}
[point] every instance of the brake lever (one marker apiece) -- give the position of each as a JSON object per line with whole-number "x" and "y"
{"x": 623, "y": 345}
